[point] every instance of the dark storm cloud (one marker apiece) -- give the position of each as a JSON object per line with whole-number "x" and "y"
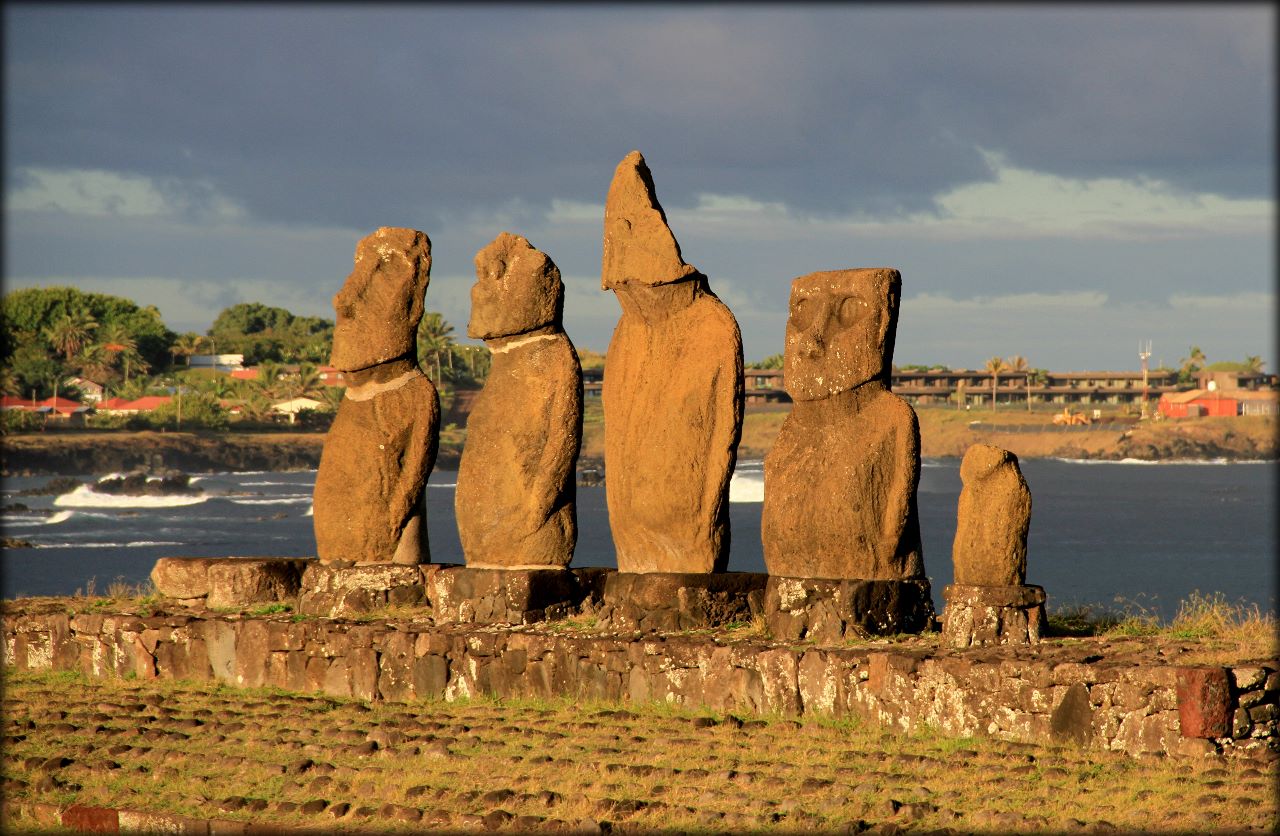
{"x": 349, "y": 116}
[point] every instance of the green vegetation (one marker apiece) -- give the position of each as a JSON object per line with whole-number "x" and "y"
{"x": 276, "y": 758}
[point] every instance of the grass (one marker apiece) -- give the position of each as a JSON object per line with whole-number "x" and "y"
{"x": 199, "y": 749}
{"x": 141, "y": 597}
{"x": 1229, "y": 631}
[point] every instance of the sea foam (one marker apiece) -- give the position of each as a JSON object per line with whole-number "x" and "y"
{"x": 86, "y": 497}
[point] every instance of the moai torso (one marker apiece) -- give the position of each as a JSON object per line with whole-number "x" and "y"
{"x": 841, "y": 479}
{"x": 379, "y": 451}
{"x": 992, "y": 519}
{"x": 672, "y": 392}
{"x": 515, "y": 500}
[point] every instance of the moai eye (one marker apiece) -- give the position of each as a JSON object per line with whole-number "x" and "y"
{"x": 851, "y": 310}
{"x": 802, "y": 313}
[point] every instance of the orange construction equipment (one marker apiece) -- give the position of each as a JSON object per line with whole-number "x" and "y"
{"x": 1067, "y": 418}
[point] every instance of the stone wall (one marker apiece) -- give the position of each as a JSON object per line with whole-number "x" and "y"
{"x": 1053, "y": 692}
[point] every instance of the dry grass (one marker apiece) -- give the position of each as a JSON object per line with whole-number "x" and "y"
{"x": 210, "y": 752}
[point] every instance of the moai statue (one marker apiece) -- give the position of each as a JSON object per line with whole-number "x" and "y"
{"x": 840, "y": 481}
{"x": 516, "y": 481}
{"x": 990, "y": 547}
{"x": 989, "y": 602}
{"x": 380, "y": 449}
{"x": 672, "y": 392}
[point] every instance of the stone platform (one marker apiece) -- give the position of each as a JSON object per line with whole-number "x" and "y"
{"x": 989, "y": 615}
{"x": 676, "y": 601}
{"x": 831, "y": 610}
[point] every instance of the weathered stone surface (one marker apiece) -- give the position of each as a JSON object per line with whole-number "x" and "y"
{"x": 177, "y": 577}
{"x": 382, "y": 444}
{"x": 1204, "y": 702}
{"x": 994, "y": 513}
{"x": 467, "y": 595}
{"x": 825, "y": 610}
{"x": 669, "y": 601}
{"x": 992, "y": 615}
{"x": 1072, "y": 718}
{"x": 515, "y": 500}
{"x": 237, "y": 582}
{"x": 672, "y": 392}
{"x": 840, "y": 481}
{"x": 331, "y": 591}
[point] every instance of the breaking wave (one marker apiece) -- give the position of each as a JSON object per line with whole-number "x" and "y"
{"x": 86, "y": 497}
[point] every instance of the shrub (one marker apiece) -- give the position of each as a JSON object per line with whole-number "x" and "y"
{"x": 20, "y": 421}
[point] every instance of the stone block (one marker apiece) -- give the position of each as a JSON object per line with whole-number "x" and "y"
{"x": 465, "y": 595}
{"x": 1072, "y": 718}
{"x": 1204, "y": 702}
{"x": 828, "y": 610}
{"x": 181, "y": 577}
{"x": 334, "y": 591}
{"x": 673, "y": 601}
{"x": 238, "y": 582}
{"x": 992, "y": 615}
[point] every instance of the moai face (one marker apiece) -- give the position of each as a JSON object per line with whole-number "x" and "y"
{"x": 381, "y": 303}
{"x": 639, "y": 248}
{"x": 517, "y": 289}
{"x": 840, "y": 331}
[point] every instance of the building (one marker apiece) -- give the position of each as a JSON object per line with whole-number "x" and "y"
{"x": 91, "y": 391}
{"x": 1212, "y": 401}
{"x": 217, "y": 362}
{"x": 293, "y": 406}
{"x": 120, "y": 406}
{"x": 764, "y": 386}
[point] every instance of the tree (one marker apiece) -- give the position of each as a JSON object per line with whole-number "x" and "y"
{"x": 32, "y": 311}
{"x": 434, "y": 340}
{"x": 1192, "y": 363}
{"x": 1017, "y": 364}
{"x": 186, "y": 345}
{"x": 118, "y": 342}
{"x": 35, "y": 369}
{"x": 261, "y": 332}
{"x": 71, "y": 332}
{"x": 773, "y": 361}
{"x": 995, "y": 366}
{"x": 1254, "y": 363}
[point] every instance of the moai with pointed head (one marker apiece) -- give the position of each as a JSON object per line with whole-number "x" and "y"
{"x": 382, "y": 445}
{"x": 672, "y": 392}
{"x": 840, "y": 481}
{"x": 990, "y": 601}
{"x": 515, "y": 499}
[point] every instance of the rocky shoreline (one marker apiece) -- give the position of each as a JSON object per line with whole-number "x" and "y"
{"x": 97, "y": 453}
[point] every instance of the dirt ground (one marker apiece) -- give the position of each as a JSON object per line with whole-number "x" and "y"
{"x": 315, "y": 762}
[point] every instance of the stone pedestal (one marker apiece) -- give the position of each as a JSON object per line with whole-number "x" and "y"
{"x": 332, "y": 591}
{"x": 825, "y": 610}
{"x": 978, "y": 616}
{"x": 670, "y": 601}
{"x": 226, "y": 582}
{"x": 462, "y": 595}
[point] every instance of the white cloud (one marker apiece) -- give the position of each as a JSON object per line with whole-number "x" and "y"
{"x": 1018, "y": 204}
{"x": 98, "y": 193}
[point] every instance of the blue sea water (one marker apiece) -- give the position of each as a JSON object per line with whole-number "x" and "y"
{"x": 1103, "y": 534}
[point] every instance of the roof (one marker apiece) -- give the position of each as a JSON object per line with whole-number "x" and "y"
{"x": 1192, "y": 395}
{"x": 60, "y": 403}
{"x": 16, "y": 402}
{"x": 146, "y": 404}
{"x": 245, "y": 374}
{"x": 113, "y": 403}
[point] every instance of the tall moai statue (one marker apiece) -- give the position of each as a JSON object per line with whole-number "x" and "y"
{"x": 516, "y": 481}
{"x": 840, "y": 481}
{"x": 840, "y": 530}
{"x": 672, "y": 392}
{"x": 990, "y": 601}
{"x": 382, "y": 445}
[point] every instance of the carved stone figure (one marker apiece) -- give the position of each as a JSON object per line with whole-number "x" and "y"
{"x": 840, "y": 481}
{"x": 994, "y": 513}
{"x": 516, "y": 487}
{"x": 380, "y": 449}
{"x": 672, "y": 391}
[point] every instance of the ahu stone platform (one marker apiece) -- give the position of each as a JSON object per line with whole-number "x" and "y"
{"x": 1137, "y": 695}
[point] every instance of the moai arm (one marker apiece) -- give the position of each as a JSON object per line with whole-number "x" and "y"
{"x": 725, "y": 422}
{"x": 562, "y": 437}
{"x": 902, "y": 451}
{"x": 421, "y": 442}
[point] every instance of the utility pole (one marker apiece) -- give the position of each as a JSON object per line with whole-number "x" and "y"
{"x": 1144, "y": 354}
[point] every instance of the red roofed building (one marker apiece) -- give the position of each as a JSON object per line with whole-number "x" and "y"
{"x": 15, "y": 402}
{"x": 245, "y": 374}
{"x": 119, "y": 406}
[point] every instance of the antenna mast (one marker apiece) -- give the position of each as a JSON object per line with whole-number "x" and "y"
{"x": 1144, "y": 353}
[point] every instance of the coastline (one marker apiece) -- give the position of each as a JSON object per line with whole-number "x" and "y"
{"x": 944, "y": 433}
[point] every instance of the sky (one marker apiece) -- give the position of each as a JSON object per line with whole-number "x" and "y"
{"x": 1055, "y": 182}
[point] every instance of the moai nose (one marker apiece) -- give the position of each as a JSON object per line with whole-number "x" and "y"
{"x": 811, "y": 345}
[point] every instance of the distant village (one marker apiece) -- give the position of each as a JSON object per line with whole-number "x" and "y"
{"x": 1157, "y": 394}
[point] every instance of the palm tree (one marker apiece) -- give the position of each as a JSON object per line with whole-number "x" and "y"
{"x": 123, "y": 348}
{"x": 186, "y": 345}
{"x": 1254, "y": 363}
{"x": 434, "y": 339}
{"x": 1017, "y": 364}
{"x": 95, "y": 362}
{"x": 995, "y": 366}
{"x": 71, "y": 332}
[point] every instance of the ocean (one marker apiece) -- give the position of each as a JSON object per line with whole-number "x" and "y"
{"x": 1112, "y": 535}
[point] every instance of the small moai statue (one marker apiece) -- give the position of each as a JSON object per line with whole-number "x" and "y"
{"x": 382, "y": 445}
{"x": 516, "y": 481}
{"x": 672, "y": 392}
{"x": 840, "y": 481}
{"x": 989, "y": 601}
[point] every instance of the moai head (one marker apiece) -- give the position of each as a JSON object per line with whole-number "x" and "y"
{"x": 517, "y": 289}
{"x": 840, "y": 331}
{"x": 639, "y": 248}
{"x": 381, "y": 303}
